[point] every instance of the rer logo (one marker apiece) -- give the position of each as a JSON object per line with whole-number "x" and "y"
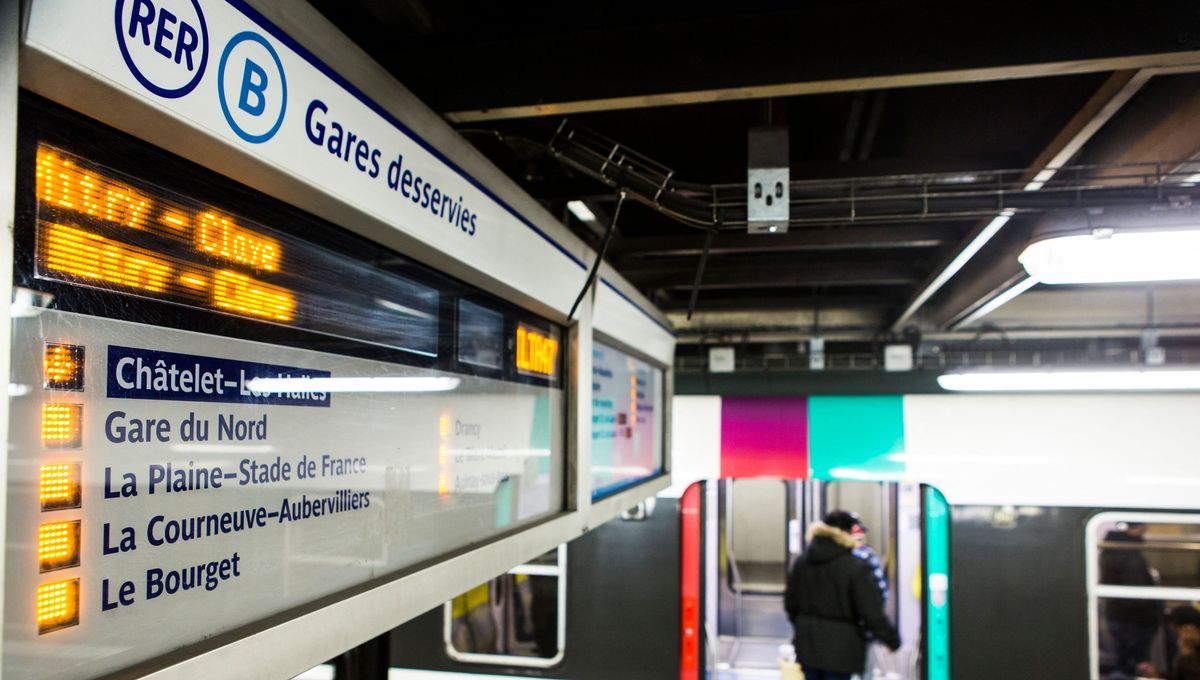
{"x": 164, "y": 43}
{"x": 252, "y": 87}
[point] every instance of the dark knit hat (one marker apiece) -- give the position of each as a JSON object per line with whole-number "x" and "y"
{"x": 840, "y": 519}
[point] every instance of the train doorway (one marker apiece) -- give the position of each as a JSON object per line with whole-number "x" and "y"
{"x": 752, "y": 531}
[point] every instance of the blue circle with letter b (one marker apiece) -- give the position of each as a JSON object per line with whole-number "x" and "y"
{"x": 252, "y": 87}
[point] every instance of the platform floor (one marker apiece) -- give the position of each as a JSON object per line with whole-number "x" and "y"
{"x": 751, "y": 653}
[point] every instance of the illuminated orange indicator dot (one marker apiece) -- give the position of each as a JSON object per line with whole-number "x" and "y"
{"x": 58, "y": 545}
{"x": 63, "y": 367}
{"x": 443, "y": 457}
{"x": 57, "y": 605}
{"x": 241, "y": 294}
{"x": 61, "y": 425}
{"x": 59, "y": 487}
{"x": 84, "y": 255}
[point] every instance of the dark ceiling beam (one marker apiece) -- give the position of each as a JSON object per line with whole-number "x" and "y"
{"x": 1112, "y": 96}
{"x": 930, "y": 235}
{"x": 837, "y": 47}
{"x": 1098, "y": 110}
{"x": 1161, "y": 126}
{"x": 744, "y": 276}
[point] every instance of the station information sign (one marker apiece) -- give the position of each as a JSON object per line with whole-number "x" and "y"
{"x": 167, "y": 485}
{"x": 103, "y": 229}
{"x": 627, "y": 420}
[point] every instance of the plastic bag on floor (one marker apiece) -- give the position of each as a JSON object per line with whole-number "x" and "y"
{"x": 788, "y": 668}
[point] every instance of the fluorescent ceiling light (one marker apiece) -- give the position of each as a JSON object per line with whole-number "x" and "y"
{"x": 415, "y": 384}
{"x": 1127, "y": 380}
{"x": 1107, "y": 256}
{"x": 581, "y": 211}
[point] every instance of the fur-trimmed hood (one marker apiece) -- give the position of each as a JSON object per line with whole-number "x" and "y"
{"x": 842, "y": 538}
{"x": 827, "y": 543}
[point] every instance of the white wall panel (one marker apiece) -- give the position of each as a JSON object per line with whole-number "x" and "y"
{"x": 695, "y": 442}
{"x": 1103, "y": 450}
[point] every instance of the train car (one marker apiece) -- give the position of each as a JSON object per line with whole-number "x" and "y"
{"x": 1041, "y": 492}
{"x": 289, "y": 361}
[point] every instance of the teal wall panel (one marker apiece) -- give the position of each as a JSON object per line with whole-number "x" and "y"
{"x": 856, "y": 436}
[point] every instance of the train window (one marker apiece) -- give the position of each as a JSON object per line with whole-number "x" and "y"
{"x": 1143, "y": 593}
{"x": 517, "y": 619}
{"x": 627, "y": 420}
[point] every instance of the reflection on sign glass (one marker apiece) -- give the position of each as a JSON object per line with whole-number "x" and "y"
{"x": 100, "y": 229}
{"x": 480, "y": 336}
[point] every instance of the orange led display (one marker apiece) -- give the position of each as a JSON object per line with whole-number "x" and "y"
{"x": 63, "y": 366}
{"x": 58, "y": 545}
{"x": 58, "y": 487}
{"x": 243, "y": 295}
{"x": 61, "y": 428}
{"x": 220, "y": 237}
{"x": 84, "y": 255}
{"x": 537, "y": 353}
{"x": 57, "y": 605}
{"x": 62, "y": 183}
{"x": 80, "y": 204}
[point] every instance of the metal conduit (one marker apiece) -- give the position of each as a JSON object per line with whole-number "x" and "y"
{"x": 891, "y": 198}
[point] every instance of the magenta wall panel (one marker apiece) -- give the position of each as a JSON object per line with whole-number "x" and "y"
{"x": 764, "y": 437}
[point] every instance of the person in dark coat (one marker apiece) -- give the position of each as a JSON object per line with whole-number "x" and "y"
{"x": 1131, "y": 623}
{"x": 833, "y": 601}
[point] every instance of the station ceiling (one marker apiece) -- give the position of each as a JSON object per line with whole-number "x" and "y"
{"x": 912, "y": 126}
